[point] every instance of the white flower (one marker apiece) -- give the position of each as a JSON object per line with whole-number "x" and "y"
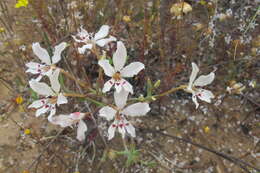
{"x": 90, "y": 39}
{"x": 71, "y": 119}
{"x": 201, "y": 81}
{"x": 119, "y": 71}
{"x": 48, "y": 62}
{"x": 52, "y": 95}
{"x": 119, "y": 112}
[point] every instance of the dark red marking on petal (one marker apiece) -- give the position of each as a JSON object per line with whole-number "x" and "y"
{"x": 113, "y": 125}
{"x": 46, "y": 106}
{"x": 127, "y": 124}
{"x": 111, "y": 82}
{"x": 123, "y": 82}
{"x": 121, "y": 125}
{"x": 117, "y": 84}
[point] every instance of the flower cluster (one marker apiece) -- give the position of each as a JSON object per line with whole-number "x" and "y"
{"x": 116, "y": 70}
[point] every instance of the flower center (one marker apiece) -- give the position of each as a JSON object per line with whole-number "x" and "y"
{"x": 117, "y": 76}
{"x": 53, "y": 99}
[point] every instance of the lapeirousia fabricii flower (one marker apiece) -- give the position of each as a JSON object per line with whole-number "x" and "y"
{"x": 91, "y": 39}
{"x": 52, "y": 95}
{"x": 48, "y": 63}
{"x": 75, "y": 118}
{"x": 119, "y": 113}
{"x": 201, "y": 81}
{"x": 119, "y": 72}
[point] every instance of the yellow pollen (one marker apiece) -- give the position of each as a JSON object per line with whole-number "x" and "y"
{"x": 19, "y": 100}
{"x": 117, "y": 76}
{"x": 53, "y": 99}
{"x": 27, "y": 131}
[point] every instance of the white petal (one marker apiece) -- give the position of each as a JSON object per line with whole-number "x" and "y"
{"x": 83, "y": 48}
{"x": 61, "y": 99}
{"x": 57, "y": 52}
{"x": 111, "y": 131}
{"x": 103, "y": 42}
{"x": 82, "y": 128}
{"x": 38, "y": 78}
{"x": 205, "y": 95}
{"x": 34, "y": 65}
{"x": 77, "y": 115}
{"x": 121, "y": 129}
{"x": 108, "y": 69}
{"x": 42, "y": 110}
{"x": 132, "y": 69}
{"x": 41, "y": 53}
{"x": 130, "y": 129}
{"x": 52, "y": 112}
{"x": 194, "y": 99}
{"x": 118, "y": 85}
{"x": 37, "y": 103}
{"x": 127, "y": 86}
{"x": 54, "y": 79}
{"x": 119, "y": 57}
{"x": 204, "y": 79}
{"x": 108, "y": 85}
{"x": 33, "y": 71}
{"x": 41, "y": 88}
{"x": 120, "y": 98}
{"x": 193, "y": 75}
{"x": 103, "y": 32}
{"x": 62, "y": 120}
{"x": 136, "y": 109}
{"x": 107, "y": 112}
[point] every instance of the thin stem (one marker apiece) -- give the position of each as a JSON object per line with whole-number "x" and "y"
{"x": 82, "y": 84}
{"x": 170, "y": 91}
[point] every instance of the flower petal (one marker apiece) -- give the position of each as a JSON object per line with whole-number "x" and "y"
{"x": 194, "y": 99}
{"x": 83, "y": 48}
{"x": 108, "y": 69}
{"x": 204, "y": 79}
{"x": 205, "y": 95}
{"x": 54, "y": 79}
{"x": 62, "y": 120}
{"x": 127, "y": 86}
{"x": 130, "y": 129}
{"x": 121, "y": 98}
{"x": 52, "y": 112}
{"x": 42, "y": 110}
{"x": 103, "y": 32}
{"x": 57, "y": 52}
{"x": 34, "y": 65}
{"x": 119, "y": 57}
{"x": 136, "y": 109}
{"x": 37, "y": 104}
{"x": 41, "y": 53}
{"x": 193, "y": 75}
{"x": 103, "y": 42}
{"x": 132, "y": 69}
{"x": 108, "y": 85}
{"x": 118, "y": 85}
{"x": 61, "y": 99}
{"x": 82, "y": 128}
{"x": 121, "y": 129}
{"x": 107, "y": 112}
{"x": 41, "y": 88}
{"x": 111, "y": 131}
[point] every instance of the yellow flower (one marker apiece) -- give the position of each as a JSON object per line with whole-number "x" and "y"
{"x": 21, "y": 3}
{"x": 206, "y": 129}
{"x": 2, "y": 29}
{"x": 19, "y": 100}
{"x": 126, "y": 19}
{"x": 25, "y": 171}
{"x": 27, "y": 131}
